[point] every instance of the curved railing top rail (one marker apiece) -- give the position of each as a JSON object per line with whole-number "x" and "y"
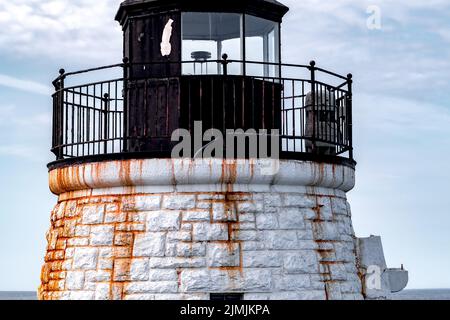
{"x": 224, "y": 62}
{"x": 314, "y": 108}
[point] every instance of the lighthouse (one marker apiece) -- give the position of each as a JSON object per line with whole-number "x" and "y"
{"x": 202, "y": 167}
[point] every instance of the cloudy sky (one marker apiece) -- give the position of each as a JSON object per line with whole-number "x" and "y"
{"x": 401, "y": 116}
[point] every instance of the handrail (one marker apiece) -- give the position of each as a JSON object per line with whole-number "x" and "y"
{"x": 92, "y": 118}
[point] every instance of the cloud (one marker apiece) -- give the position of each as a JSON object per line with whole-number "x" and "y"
{"x": 78, "y": 30}
{"x": 24, "y": 85}
{"x": 401, "y": 59}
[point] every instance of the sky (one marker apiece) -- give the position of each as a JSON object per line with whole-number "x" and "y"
{"x": 401, "y": 70}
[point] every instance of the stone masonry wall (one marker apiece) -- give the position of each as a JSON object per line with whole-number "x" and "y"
{"x": 186, "y": 245}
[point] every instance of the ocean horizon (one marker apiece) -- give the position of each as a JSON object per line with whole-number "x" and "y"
{"x": 410, "y": 294}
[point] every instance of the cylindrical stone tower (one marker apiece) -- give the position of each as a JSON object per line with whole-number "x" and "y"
{"x": 135, "y": 221}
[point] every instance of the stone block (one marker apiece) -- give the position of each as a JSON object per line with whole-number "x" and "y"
{"x": 305, "y": 261}
{"x": 171, "y": 262}
{"x": 191, "y": 249}
{"x": 93, "y": 214}
{"x": 291, "y": 218}
{"x": 196, "y": 216}
{"x": 179, "y": 202}
{"x": 262, "y": 259}
{"x": 149, "y": 245}
{"x": 299, "y": 201}
{"x": 85, "y": 258}
{"x": 74, "y": 280}
{"x": 102, "y": 235}
{"x": 162, "y": 275}
{"x": 266, "y": 221}
{"x": 223, "y": 255}
{"x": 139, "y": 270}
{"x": 210, "y": 232}
{"x": 164, "y": 220}
{"x": 222, "y": 212}
{"x": 142, "y": 203}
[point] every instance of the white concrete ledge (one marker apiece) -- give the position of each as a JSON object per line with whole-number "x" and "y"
{"x": 212, "y": 174}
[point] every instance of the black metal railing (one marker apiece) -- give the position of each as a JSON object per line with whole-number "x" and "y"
{"x": 314, "y": 107}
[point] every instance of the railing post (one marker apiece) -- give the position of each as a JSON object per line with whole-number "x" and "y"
{"x": 105, "y": 122}
{"x": 59, "y": 116}
{"x": 312, "y": 68}
{"x": 225, "y": 64}
{"x": 126, "y": 75}
{"x": 350, "y": 113}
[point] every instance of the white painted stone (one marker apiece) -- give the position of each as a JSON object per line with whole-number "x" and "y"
{"x": 102, "y": 291}
{"x": 164, "y": 220}
{"x": 297, "y": 282}
{"x": 246, "y": 235}
{"x": 309, "y": 214}
{"x": 304, "y": 261}
{"x": 85, "y": 258}
{"x": 250, "y": 206}
{"x": 195, "y": 280}
{"x": 210, "y": 232}
{"x": 179, "y": 202}
{"x": 162, "y": 275}
{"x": 271, "y": 202}
{"x": 267, "y": 221}
{"x": 170, "y": 262}
{"x": 325, "y": 210}
{"x": 176, "y": 236}
{"x": 326, "y": 231}
{"x": 339, "y": 206}
{"x": 184, "y": 244}
{"x": 222, "y": 212}
{"x": 78, "y": 242}
{"x": 74, "y": 280}
{"x": 305, "y": 234}
{"x": 291, "y": 218}
{"x": 112, "y": 217}
{"x": 102, "y": 235}
{"x": 252, "y": 245}
{"x": 82, "y": 231}
{"x": 247, "y": 217}
{"x": 140, "y": 297}
{"x": 196, "y": 216}
{"x": 223, "y": 255}
{"x": 142, "y": 203}
{"x": 139, "y": 270}
{"x": 98, "y": 276}
{"x": 334, "y": 290}
{"x": 152, "y": 287}
{"x": 93, "y": 214}
{"x": 282, "y": 240}
{"x": 82, "y": 295}
{"x": 191, "y": 249}
{"x": 262, "y": 259}
{"x": 298, "y": 201}
{"x": 257, "y": 280}
{"x": 149, "y": 244}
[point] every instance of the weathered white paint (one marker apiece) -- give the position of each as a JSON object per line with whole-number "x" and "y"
{"x": 181, "y": 229}
{"x": 379, "y": 280}
{"x": 166, "y": 47}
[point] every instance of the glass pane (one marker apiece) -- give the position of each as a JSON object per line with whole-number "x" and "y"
{"x": 261, "y": 45}
{"x": 207, "y": 36}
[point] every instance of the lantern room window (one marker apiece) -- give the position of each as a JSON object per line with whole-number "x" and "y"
{"x": 207, "y": 36}
{"x": 262, "y": 44}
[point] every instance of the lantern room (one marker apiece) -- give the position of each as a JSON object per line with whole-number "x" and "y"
{"x": 203, "y": 32}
